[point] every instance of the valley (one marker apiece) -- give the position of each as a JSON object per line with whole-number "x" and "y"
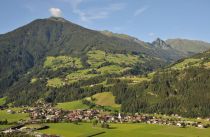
{"x": 59, "y": 79}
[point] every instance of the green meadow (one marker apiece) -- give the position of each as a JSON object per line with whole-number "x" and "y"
{"x": 4, "y": 126}
{"x": 72, "y": 105}
{"x": 13, "y": 117}
{"x": 124, "y": 130}
{"x": 58, "y": 62}
{"x": 105, "y": 99}
{"x": 98, "y": 57}
{"x": 186, "y": 63}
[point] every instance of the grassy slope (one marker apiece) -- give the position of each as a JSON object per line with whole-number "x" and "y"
{"x": 72, "y": 105}
{"x": 105, "y": 99}
{"x": 125, "y": 130}
{"x": 13, "y": 117}
{"x": 58, "y": 62}
{"x": 95, "y": 59}
{"x": 188, "y": 45}
{"x": 55, "y": 82}
{"x": 186, "y": 63}
{"x": 98, "y": 57}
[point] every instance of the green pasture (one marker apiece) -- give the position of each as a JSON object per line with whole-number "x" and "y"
{"x": 124, "y": 130}
{"x": 72, "y": 105}
{"x": 13, "y": 117}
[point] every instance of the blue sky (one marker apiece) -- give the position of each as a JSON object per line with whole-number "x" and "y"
{"x": 144, "y": 19}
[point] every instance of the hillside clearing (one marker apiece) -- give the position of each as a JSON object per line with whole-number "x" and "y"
{"x": 105, "y": 99}
{"x": 72, "y": 105}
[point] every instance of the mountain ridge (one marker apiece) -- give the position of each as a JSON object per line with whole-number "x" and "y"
{"x": 51, "y": 55}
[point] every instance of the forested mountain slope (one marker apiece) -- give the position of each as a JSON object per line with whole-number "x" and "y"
{"x": 54, "y": 52}
{"x": 60, "y": 61}
{"x": 182, "y": 88}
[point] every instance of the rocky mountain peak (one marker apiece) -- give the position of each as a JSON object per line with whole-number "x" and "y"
{"x": 160, "y": 44}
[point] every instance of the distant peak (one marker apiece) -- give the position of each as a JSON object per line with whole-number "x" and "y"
{"x": 160, "y": 44}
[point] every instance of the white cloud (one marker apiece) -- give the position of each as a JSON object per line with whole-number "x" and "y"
{"x": 93, "y": 13}
{"x": 56, "y": 12}
{"x": 151, "y": 34}
{"x": 140, "y": 11}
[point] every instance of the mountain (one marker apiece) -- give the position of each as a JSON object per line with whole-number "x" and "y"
{"x": 52, "y": 54}
{"x": 181, "y": 88}
{"x": 161, "y": 44}
{"x": 188, "y": 46}
{"x": 59, "y": 61}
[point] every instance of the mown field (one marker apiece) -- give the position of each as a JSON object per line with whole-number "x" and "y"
{"x": 13, "y": 117}
{"x": 72, "y": 105}
{"x": 102, "y": 99}
{"x": 105, "y": 99}
{"x": 124, "y": 130}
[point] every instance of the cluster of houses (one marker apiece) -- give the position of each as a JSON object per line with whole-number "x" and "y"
{"x": 45, "y": 112}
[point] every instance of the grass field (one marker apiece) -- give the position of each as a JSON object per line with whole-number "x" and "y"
{"x": 111, "y": 69}
{"x": 186, "y": 63}
{"x": 125, "y": 130}
{"x": 55, "y": 82}
{"x": 4, "y": 126}
{"x": 58, "y": 62}
{"x": 84, "y": 74}
{"x": 13, "y": 117}
{"x": 134, "y": 79}
{"x": 72, "y": 105}
{"x": 81, "y": 75}
{"x": 98, "y": 57}
{"x": 105, "y": 99}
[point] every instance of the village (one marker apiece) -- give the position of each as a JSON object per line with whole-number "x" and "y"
{"x": 46, "y": 113}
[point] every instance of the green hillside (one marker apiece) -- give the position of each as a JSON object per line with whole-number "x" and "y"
{"x": 181, "y": 88}
{"x": 60, "y": 61}
{"x": 188, "y": 46}
{"x": 53, "y": 55}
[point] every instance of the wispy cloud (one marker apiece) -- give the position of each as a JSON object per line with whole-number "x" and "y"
{"x": 152, "y": 34}
{"x": 140, "y": 11}
{"x": 90, "y": 14}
